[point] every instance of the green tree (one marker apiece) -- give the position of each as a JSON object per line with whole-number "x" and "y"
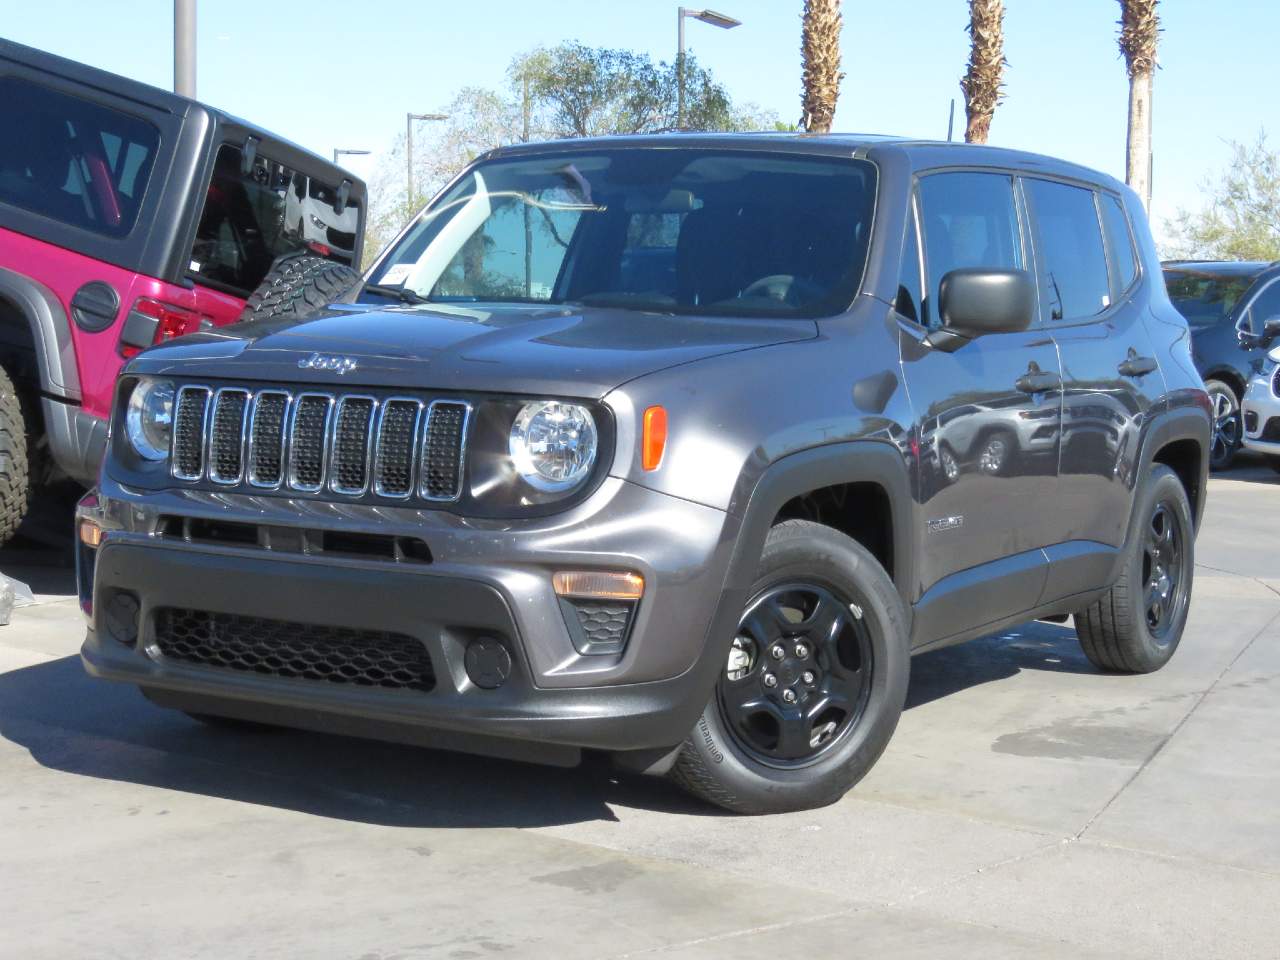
{"x": 571, "y": 90}
{"x": 1241, "y": 220}
{"x": 581, "y": 91}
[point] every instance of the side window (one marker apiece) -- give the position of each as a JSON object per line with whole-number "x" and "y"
{"x": 1073, "y": 261}
{"x": 71, "y": 160}
{"x": 1119, "y": 241}
{"x": 908, "y": 302}
{"x": 1265, "y": 306}
{"x": 968, "y": 220}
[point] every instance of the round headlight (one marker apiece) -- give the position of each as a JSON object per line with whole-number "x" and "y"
{"x": 148, "y": 420}
{"x": 553, "y": 445}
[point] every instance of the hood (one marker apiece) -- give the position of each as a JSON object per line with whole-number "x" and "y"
{"x": 560, "y": 351}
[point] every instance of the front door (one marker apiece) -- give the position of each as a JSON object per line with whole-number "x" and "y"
{"x": 987, "y": 421}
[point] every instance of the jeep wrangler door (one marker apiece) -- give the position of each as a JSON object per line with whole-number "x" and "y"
{"x": 1089, "y": 274}
{"x": 987, "y": 414}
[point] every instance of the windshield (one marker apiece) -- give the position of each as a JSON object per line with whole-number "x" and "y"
{"x": 666, "y": 230}
{"x": 1205, "y": 299}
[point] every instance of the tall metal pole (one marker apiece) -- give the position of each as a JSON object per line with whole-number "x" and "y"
{"x": 680, "y": 68}
{"x": 184, "y": 47}
{"x": 408, "y": 159}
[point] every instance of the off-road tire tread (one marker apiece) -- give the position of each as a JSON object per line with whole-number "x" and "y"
{"x": 299, "y": 286}
{"x": 15, "y": 475}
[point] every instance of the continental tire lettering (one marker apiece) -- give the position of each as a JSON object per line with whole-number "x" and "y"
{"x": 709, "y": 740}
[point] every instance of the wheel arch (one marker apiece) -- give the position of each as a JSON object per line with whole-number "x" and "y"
{"x": 1232, "y": 378}
{"x": 1180, "y": 440}
{"x": 835, "y": 482}
{"x": 29, "y": 306}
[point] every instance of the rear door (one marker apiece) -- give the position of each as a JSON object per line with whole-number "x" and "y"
{"x": 1089, "y": 274}
{"x": 987, "y": 419}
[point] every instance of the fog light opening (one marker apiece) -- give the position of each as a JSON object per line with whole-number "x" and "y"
{"x": 119, "y": 617}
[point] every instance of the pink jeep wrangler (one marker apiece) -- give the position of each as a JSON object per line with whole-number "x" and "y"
{"x": 129, "y": 216}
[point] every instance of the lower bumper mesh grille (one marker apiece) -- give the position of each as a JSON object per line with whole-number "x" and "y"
{"x": 298, "y": 651}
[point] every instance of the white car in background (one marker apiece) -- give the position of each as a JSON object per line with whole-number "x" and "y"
{"x": 310, "y": 214}
{"x": 1261, "y": 409}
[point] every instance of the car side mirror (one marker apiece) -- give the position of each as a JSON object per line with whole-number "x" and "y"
{"x": 974, "y": 301}
{"x": 1264, "y": 338}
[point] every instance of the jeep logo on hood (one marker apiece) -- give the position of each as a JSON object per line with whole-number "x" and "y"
{"x": 326, "y": 361}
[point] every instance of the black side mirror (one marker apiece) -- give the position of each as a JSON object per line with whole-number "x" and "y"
{"x": 1269, "y": 334}
{"x": 976, "y": 301}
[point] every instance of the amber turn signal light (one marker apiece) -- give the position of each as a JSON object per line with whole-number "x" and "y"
{"x": 654, "y": 441}
{"x": 90, "y": 533}
{"x": 600, "y": 584}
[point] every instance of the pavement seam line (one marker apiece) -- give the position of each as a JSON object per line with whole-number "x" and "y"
{"x": 1177, "y": 727}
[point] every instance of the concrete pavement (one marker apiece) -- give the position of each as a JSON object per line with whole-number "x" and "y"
{"x": 1028, "y": 806}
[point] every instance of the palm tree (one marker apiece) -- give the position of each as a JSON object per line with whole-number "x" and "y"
{"x": 820, "y": 54}
{"x": 1139, "y": 31}
{"x": 981, "y": 83}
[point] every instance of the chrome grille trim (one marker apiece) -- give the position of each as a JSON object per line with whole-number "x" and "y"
{"x": 353, "y": 445}
{"x": 184, "y": 445}
{"x": 252, "y": 467}
{"x": 226, "y": 441}
{"x": 427, "y": 470}
{"x": 326, "y": 425}
{"x": 363, "y": 453}
{"x": 380, "y": 466}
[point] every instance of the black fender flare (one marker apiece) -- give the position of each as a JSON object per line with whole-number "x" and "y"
{"x": 1186, "y": 422}
{"x": 50, "y": 330}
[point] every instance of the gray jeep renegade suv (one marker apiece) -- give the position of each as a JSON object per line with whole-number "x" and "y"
{"x": 675, "y": 448}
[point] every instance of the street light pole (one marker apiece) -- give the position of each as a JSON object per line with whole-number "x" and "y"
{"x": 723, "y": 21}
{"x": 349, "y": 153}
{"x": 184, "y": 48}
{"x": 408, "y": 149}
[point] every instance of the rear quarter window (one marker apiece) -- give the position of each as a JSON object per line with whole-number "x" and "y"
{"x": 1072, "y": 256}
{"x": 71, "y": 160}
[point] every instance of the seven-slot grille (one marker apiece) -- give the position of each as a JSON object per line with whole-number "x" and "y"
{"x": 349, "y": 444}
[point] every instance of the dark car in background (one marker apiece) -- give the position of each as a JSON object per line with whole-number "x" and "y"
{"x": 1217, "y": 297}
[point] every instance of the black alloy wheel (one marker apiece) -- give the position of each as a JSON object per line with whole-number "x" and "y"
{"x": 1163, "y": 571}
{"x": 799, "y": 674}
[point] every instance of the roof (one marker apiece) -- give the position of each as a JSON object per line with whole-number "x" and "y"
{"x": 1220, "y": 268}
{"x": 922, "y": 154}
{"x": 141, "y": 93}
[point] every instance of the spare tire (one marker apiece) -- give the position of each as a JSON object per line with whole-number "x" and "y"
{"x": 299, "y": 286}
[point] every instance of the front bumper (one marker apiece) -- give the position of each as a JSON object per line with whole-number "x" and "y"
{"x": 1260, "y": 412}
{"x": 484, "y": 578}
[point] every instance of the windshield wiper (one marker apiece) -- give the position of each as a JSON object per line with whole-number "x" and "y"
{"x": 403, "y": 294}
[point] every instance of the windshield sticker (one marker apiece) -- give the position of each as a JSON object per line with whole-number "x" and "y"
{"x": 397, "y": 275}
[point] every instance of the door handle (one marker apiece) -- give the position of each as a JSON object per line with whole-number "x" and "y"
{"x": 1037, "y": 381}
{"x": 1136, "y": 366}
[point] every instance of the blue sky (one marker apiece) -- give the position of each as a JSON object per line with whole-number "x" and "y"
{"x": 340, "y": 74}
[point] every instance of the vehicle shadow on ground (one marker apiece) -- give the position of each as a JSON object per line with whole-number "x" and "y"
{"x": 73, "y": 723}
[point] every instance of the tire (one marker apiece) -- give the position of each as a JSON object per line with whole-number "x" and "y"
{"x": 15, "y": 475}
{"x": 1226, "y": 438}
{"x": 1117, "y": 632}
{"x": 723, "y": 759}
{"x": 949, "y": 464}
{"x": 996, "y": 454}
{"x": 299, "y": 286}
